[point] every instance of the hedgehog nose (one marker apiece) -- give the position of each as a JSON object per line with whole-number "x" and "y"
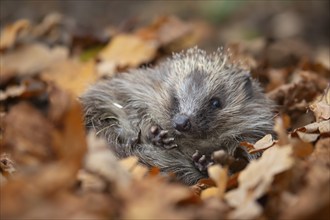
{"x": 181, "y": 123}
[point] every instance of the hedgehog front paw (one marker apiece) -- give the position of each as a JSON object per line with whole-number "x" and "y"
{"x": 201, "y": 162}
{"x": 159, "y": 137}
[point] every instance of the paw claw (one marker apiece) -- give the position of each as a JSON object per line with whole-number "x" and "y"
{"x": 154, "y": 129}
{"x": 168, "y": 140}
{"x": 160, "y": 137}
{"x": 196, "y": 156}
{"x": 163, "y": 133}
{"x": 172, "y": 146}
{"x": 201, "y": 161}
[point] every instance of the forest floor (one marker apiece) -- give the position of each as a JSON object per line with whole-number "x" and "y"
{"x": 50, "y": 166}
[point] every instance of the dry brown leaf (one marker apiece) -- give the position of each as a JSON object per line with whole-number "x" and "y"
{"x": 264, "y": 142}
{"x": 47, "y": 24}
{"x": 261, "y": 145}
{"x": 48, "y": 153}
{"x": 307, "y": 137}
{"x": 10, "y": 33}
{"x": 301, "y": 149}
{"x": 321, "y": 108}
{"x": 324, "y": 126}
{"x": 32, "y": 143}
{"x": 201, "y": 185}
{"x": 310, "y": 128}
{"x": 210, "y": 192}
{"x": 129, "y": 163}
{"x": 12, "y": 91}
{"x": 312, "y": 201}
{"x": 165, "y": 30}
{"x": 255, "y": 180}
{"x": 101, "y": 161}
{"x": 125, "y": 51}
{"x": 30, "y": 59}
{"x": 132, "y": 165}
{"x": 311, "y": 132}
{"x": 7, "y": 167}
{"x": 71, "y": 75}
{"x": 91, "y": 182}
{"x": 279, "y": 128}
{"x": 219, "y": 175}
{"x": 156, "y": 199}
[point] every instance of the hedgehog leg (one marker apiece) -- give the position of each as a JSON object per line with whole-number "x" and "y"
{"x": 160, "y": 137}
{"x": 201, "y": 162}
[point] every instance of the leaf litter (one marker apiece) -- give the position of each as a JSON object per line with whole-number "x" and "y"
{"x": 49, "y": 163}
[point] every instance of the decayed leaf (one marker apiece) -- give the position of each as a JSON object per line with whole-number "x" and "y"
{"x": 256, "y": 179}
{"x": 125, "y": 51}
{"x": 10, "y": 33}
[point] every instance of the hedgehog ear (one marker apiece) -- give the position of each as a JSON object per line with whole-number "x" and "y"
{"x": 248, "y": 86}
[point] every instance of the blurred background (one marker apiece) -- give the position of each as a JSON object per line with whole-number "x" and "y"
{"x": 307, "y": 20}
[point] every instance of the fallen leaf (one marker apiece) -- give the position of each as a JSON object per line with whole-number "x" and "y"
{"x": 11, "y": 32}
{"x": 32, "y": 143}
{"x": 261, "y": 145}
{"x": 71, "y": 75}
{"x": 165, "y": 30}
{"x": 219, "y": 175}
{"x": 301, "y": 148}
{"x": 324, "y": 126}
{"x": 255, "y": 180}
{"x": 210, "y": 192}
{"x": 279, "y": 128}
{"x": 7, "y": 165}
{"x": 155, "y": 199}
{"x": 20, "y": 62}
{"x": 101, "y": 161}
{"x": 126, "y": 50}
{"x": 321, "y": 108}
{"x": 307, "y": 137}
{"x": 12, "y": 91}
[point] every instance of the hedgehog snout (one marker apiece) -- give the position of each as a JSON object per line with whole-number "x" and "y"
{"x": 181, "y": 122}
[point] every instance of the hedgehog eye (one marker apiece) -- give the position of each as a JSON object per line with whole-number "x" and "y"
{"x": 215, "y": 103}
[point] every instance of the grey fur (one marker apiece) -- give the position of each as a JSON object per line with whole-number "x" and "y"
{"x": 184, "y": 84}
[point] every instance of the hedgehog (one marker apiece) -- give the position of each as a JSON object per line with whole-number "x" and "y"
{"x": 175, "y": 115}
